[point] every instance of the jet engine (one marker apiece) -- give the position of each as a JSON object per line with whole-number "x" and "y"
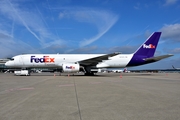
{"x": 70, "y": 67}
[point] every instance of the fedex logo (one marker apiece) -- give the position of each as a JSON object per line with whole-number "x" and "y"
{"x": 149, "y": 46}
{"x": 70, "y": 67}
{"x": 45, "y": 59}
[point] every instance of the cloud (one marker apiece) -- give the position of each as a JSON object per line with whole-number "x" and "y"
{"x": 10, "y": 47}
{"x": 17, "y": 15}
{"x": 137, "y": 6}
{"x": 176, "y": 51}
{"x": 171, "y": 32}
{"x": 123, "y": 49}
{"x": 173, "y": 51}
{"x": 169, "y": 2}
{"x": 20, "y": 16}
{"x": 31, "y": 19}
{"x": 175, "y": 62}
{"x": 83, "y": 50}
{"x": 102, "y": 19}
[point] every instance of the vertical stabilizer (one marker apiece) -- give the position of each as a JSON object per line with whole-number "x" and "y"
{"x": 148, "y": 48}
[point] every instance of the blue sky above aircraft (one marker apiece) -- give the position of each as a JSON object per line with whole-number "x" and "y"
{"x": 92, "y": 26}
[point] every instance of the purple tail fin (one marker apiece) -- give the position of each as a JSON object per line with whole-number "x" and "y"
{"x": 148, "y": 48}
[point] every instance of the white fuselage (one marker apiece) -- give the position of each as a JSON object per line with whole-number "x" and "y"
{"x": 57, "y": 60}
{"x": 76, "y": 62}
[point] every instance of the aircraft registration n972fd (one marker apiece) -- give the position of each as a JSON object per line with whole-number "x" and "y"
{"x": 73, "y": 62}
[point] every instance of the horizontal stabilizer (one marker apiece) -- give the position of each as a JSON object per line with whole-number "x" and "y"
{"x": 96, "y": 60}
{"x": 154, "y": 59}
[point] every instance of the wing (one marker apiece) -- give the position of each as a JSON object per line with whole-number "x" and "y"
{"x": 96, "y": 60}
{"x": 154, "y": 59}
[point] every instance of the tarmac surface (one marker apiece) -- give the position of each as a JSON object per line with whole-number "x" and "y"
{"x": 106, "y": 96}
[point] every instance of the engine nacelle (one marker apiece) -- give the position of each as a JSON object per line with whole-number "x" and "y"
{"x": 70, "y": 67}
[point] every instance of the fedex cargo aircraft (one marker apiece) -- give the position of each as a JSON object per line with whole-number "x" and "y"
{"x": 76, "y": 62}
{"x": 175, "y": 68}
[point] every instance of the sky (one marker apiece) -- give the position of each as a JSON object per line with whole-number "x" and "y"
{"x": 90, "y": 26}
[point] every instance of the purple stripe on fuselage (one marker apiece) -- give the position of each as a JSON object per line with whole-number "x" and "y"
{"x": 136, "y": 60}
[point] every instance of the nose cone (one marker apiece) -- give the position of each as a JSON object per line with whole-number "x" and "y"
{"x": 9, "y": 63}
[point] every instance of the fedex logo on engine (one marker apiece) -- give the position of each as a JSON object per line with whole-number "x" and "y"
{"x": 149, "y": 46}
{"x": 70, "y": 67}
{"x": 45, "y": 59}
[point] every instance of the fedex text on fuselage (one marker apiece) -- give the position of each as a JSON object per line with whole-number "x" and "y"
{"x": 44, "y": 59}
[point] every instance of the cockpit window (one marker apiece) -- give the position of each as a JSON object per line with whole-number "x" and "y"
{"x": 11, "y": 59}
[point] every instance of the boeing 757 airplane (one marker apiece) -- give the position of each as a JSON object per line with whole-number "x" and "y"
{"x": 175, "y": 68}
{"x": 74, "y": 62}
